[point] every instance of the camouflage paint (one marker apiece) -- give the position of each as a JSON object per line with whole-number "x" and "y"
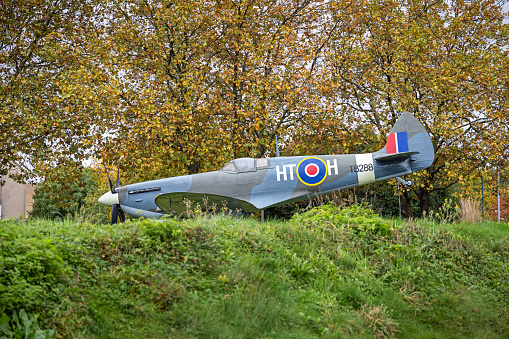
{"x": 281, "y": 180}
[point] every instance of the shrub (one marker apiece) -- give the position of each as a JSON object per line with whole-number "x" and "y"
{"x": 360, "y": 218}
{"x": 63, "y": 193}
{"x": 30, "y": 269}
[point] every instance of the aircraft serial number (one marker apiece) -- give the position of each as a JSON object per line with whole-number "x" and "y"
{"x": 361, "y": 168}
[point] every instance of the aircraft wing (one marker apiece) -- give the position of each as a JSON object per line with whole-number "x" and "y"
{"x": 181, "y": 202}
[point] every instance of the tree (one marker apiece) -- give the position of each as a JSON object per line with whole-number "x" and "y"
{"x": 38, "y": 120}
{"x": 264, "y": 83}
{"x": 445, "y": 62}
{"x": 193, "y": 84}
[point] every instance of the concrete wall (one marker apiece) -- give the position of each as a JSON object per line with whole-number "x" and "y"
{"x": 16, "y": 200}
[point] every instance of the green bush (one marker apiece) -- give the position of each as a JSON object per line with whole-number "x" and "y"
{"x": 63, "y": 193}
{"x": 360, "y": 218}
{"x": 30, "y": 267}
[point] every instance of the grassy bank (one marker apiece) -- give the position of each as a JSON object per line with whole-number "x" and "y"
{"x": 327, "y": 273}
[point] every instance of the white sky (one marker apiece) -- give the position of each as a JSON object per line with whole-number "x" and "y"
{"x": 506, "y": 9}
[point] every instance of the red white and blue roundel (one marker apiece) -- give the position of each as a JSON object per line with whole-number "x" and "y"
{"x": 312, "y": 171}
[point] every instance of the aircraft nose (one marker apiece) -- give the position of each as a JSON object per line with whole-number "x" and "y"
{"x": 109, "y": 199}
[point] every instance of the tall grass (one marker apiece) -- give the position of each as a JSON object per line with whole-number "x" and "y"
{"x": 470, "y": 211}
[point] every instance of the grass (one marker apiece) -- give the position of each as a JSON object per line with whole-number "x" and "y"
{"x": 328, "y": 273}
{"x": 470, "y": 211}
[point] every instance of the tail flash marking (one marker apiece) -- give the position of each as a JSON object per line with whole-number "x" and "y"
{"x": 396, "y": 143}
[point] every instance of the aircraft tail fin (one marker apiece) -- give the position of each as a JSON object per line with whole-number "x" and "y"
{"x": 408, "y": 138}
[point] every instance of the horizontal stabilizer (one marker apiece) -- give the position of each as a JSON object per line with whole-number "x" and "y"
{"x": 394, "y": 156}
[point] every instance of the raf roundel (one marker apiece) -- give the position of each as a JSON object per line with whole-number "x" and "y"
{"x": 312, "y": 171}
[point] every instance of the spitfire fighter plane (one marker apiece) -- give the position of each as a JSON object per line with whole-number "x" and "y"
{"x": 248, "y": 184}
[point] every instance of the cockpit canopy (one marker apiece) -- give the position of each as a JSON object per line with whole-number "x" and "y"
{"x": 246, "y": 165}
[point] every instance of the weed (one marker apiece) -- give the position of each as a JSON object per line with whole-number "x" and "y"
{"x": 22, "y": 325}
{"x": 409, "y": 295}
{"x": 447, "y": 213}
{"x": 378, "y": 320}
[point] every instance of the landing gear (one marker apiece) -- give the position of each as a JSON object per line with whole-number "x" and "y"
{"x": 405, "y": 182}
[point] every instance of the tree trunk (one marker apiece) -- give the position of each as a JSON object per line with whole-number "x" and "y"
{"x": 405, "y": 204}
{"x": 423, "y": 195}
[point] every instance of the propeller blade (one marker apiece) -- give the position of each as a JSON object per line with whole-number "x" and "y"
{"x": 109, "y": 180}
{"x": 121, "y": 215}
{"x": 114, "y": 214}
{"x": 118, "y": 176}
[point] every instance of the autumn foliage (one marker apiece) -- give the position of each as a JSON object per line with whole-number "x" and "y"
{"x": 174, "y": 87}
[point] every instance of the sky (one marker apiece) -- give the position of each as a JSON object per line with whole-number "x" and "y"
{"x": 506, "y": 9}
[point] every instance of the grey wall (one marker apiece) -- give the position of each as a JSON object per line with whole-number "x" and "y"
{"x": 15, "y": 199}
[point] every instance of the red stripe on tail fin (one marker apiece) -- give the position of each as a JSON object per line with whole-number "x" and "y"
{"x": 390, "y": 147}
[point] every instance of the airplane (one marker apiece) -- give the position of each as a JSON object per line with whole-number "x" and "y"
{"x": 248, "y": 184}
